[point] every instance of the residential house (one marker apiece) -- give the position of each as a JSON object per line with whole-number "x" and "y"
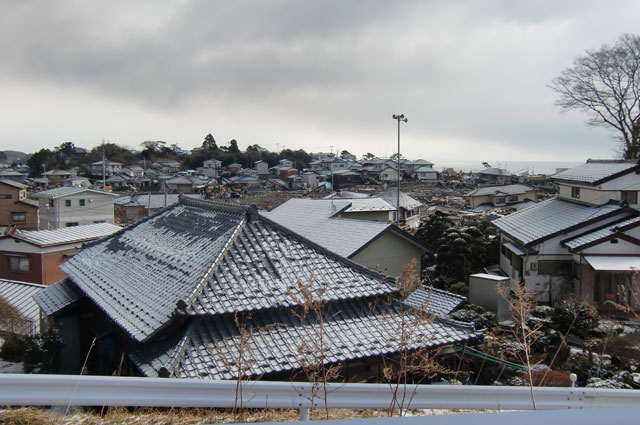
{"x": 492, "y": 175}
{"x": 584, "y": 242}
{"x": 173, "y": 295}
{"x": 234, "y": 167}
{"x": 73, "y": 206}
{"x": 12, "y": 174}
{"x": 35, "y": 256}
{"x": 409, "y": 207}
{"x": 15, "y": 208}
{"x": 310, "y": 179}
{"x": 111, "y": 168}
{"x": 133, "y": 171}
{"x": 364, "y": 207}
{"x": 412, "y": 166}
{"x": 378, "y": 245}
{"x": 322, "y": 156}
{"x": 20, "y": 313}
{"x": 262, "y": 168}
{"x": 185, "y": 184}
{"x": 499, "y": 196}
{"x": 56, "y": 177}
{"x": 389, "y": 174}
{"x": 425, "y": 174}
{"x": 166, "y": 167}
{"x": 212, "y": 168}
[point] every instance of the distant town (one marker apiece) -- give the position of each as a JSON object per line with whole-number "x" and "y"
{"x": 160, "y": 244}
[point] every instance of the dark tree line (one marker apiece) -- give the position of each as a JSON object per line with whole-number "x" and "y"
{"x": 67, "y": 155}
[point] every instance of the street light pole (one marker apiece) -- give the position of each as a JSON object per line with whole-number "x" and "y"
{"x": 399, "y": 118}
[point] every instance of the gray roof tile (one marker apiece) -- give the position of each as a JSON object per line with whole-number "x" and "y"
{"x": 594, "y": 171}
{"x": 548, "y": 218}
{"x": 53, "y": 299}
{"x": 138, "y": 276}
{"x": 435, "y": 301}
{"x": 352, "y": 330}
{"x": 261, "y": 268}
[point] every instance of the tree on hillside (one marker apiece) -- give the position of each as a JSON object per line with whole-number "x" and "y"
{"x": 209, "y": 143}
{"x": 66, "y": 150}
{"x": 112, "y": 152}
{"x": 44, "y": 160}
{"x": 605, "y": 83}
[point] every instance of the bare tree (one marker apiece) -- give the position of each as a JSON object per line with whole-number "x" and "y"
{"x": 605, "y": 83}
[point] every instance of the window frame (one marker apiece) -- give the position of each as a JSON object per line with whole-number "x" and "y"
{"x": 17, "y": 263}
{"x": 575, "y": 192}
{"x": 18, "y": 213}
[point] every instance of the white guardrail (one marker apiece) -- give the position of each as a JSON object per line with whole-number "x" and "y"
{"x": 71, "y": 390}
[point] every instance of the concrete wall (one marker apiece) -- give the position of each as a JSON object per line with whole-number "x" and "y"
{"x": 483, "y": 291}
{"x": 389, "y": 254}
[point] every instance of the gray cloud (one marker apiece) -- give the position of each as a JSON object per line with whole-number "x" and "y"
{"x": 306, "y": 74}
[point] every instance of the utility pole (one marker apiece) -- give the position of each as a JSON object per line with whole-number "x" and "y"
{"x": 104, "y": 179}
{"x": 399, "y": 118}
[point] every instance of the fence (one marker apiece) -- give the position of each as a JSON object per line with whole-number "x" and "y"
{"x": 71, "y": 390}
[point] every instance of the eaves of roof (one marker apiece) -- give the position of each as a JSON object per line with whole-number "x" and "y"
{"x": 600, "y": 235}
{"x": 576, "y": 226}
{"x": 600, "y": 181}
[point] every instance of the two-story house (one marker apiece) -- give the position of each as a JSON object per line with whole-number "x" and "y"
{"x": 15, "y": 208}
{"x": 499, "y": 196}
{"x": 35, "y": 255}
{"x": 111, "y": 168}
{"x": 73, "y": 206}
{"x": 585, "y": 242}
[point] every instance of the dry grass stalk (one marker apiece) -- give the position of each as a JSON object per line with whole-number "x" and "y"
{"x": 410, "y": 366}
{"x": 520, "y": 300}
{"x": 312, "y": 352}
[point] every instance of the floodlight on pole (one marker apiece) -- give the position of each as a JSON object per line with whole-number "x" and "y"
{"x": 399, "y": 118}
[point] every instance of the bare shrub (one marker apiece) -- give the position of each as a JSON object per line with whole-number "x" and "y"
{"x": 547, "y": 378}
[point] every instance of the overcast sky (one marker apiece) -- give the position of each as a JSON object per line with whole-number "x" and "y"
{"x": 471, "y": 76}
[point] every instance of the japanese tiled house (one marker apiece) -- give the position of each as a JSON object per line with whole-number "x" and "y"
{"x": 166, "y": 296}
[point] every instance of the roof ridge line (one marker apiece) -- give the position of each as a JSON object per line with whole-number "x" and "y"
{"x": 325, "y": 251}
{"x": 183, "y": 303}
{"x": 208, "y": 204}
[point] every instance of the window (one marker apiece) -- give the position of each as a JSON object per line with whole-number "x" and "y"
{"x": 5, "y": 196}
{"x": 500, "y": 201}
{"x": 71, "y": 224}
{"x": 19, "y": 217}
{"x": 67, "y": 202}
{"x": 19, "y": 264}
{"x": 99, "y": 221}
{"x": 555, "y": 267}
{"x": 629, "y": 196}
{"x": 575, "y": 192}
{"x": 513, "y": 198}
{"x": 81, "y": 202}
{"x": 50, "y": 203}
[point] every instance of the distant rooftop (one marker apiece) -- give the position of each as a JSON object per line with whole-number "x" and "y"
{"x": 67, "y": 235}
{"x": 511, "y": 189}
{"x": 597, "y": 171}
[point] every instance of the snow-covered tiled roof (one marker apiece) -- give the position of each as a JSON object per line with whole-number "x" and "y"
{"x": 436, "y": 301}
{"x": 595, "y": 171}
{"x": 355, "y": 329}
{"x": 55, "y": 298}
{"x": 550, "y": 217}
